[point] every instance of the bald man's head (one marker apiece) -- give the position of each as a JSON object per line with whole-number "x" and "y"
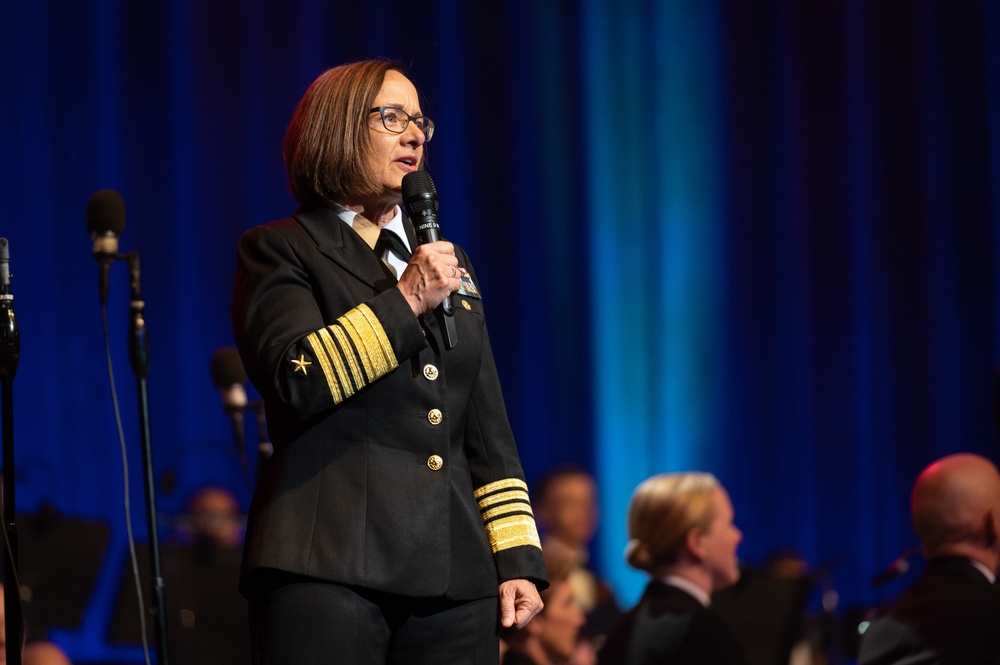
{"x": 956, "y": 507}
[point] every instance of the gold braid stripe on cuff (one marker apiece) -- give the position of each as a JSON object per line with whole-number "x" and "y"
{"x": 366, "y": 333}
{"x": 356, "y": 327}
{"x": 338, "y": 362}
{"x": 519, "y": 507}
{"x": 517, "y": 541}
{"x": 339, "y": 331}
{"x": 324, "y": 363}
{"x": 494, "y": 499}
{"x": 380, "y": 335}
{"x": 346, "y": 351}
{"x": 509, "y": 532}
{"x": 506, "y": 483}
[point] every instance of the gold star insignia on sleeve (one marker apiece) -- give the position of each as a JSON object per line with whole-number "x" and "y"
{"x": 300, "y": 365}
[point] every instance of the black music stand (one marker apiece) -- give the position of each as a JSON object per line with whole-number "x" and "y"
{"x": 205, "y": 614}
{"x": 59, "y": 563}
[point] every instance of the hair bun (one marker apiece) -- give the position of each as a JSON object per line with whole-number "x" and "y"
{"x": 637, "y": 554}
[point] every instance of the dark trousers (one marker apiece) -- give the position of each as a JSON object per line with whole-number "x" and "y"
{"x": 303, "y": 621}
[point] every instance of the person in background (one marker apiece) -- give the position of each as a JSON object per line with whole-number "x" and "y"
{"x": 682, "y": 534}
{"x": 551, "y": 637}
{"x": 951, "y": 615}
{"x": 213, "y": 519}
{"x": 207, "y": 617}
{"x": 567, "y": 510}
{"x": 392, "y": 523}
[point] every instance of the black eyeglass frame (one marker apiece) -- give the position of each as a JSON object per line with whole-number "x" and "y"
{"x": 428, "y": 125}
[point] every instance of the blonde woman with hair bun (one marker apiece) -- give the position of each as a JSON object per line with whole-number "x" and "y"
{"x": 681, "y": 533}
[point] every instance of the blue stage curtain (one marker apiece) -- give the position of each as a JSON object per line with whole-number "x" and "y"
{"x": 750, "y": 237}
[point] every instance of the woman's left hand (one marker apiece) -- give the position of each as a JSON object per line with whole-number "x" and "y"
{"x": 519, "y": 603}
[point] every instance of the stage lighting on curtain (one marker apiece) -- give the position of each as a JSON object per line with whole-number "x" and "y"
{"x": 655, "y": 192}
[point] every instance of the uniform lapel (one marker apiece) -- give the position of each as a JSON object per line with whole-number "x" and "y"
{"x": 342, "y": 245}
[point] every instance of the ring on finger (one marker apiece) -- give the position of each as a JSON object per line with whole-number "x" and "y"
{"x": 454, "y": 272}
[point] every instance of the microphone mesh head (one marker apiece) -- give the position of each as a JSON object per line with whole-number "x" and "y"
{"x": 106, "y": 213}
{"x": 227, "y": 368}
{"x": 419, "y": 194}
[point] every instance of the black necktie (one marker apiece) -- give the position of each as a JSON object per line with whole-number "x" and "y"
{"x": 389, "y": 240}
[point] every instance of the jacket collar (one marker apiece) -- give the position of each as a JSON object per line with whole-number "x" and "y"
{"x": 343, "y": 246}
{"x": 956, "y": 565}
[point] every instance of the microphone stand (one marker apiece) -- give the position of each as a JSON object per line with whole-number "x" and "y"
{"x": 10, "y": 353}
{"x": 138, "y": 346}
{"x": 264, "y": 447}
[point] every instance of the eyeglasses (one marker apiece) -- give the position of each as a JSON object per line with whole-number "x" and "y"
{"x": 396, "y": 120}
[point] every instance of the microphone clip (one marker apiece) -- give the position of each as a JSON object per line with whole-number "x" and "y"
{"x": 10, "y": 334}
{"x": 138, "y": 339}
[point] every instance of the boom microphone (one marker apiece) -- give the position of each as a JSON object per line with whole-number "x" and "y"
{"x": 899, "y": 567}
{"x": 229, "y": 378}
{"x": 421, "y": 202}
{"x": 105, "y": 222}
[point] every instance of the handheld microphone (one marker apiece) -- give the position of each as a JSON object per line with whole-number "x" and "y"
{"x": 229, "y": 377}
{"x": 105, "y": 222}
{"x": 421, "y": 202}
{"x": 264, "y": 447}
{"x": 10, "y": 335}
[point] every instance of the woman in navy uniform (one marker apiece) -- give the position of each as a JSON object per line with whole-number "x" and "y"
{"x": 394, "y": 511}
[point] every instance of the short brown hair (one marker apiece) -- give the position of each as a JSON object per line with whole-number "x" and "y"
{"x": 662, "y": 511}
{"x": 327, "y": 144}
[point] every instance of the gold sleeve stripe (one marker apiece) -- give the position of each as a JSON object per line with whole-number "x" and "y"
{"x": 516, "y": 541}
{"x": 493, "y": 499}
{"x": 341, "y": 351}
{"x": 366, "y": 332}
{"x": 324, "y": 363}
{"x": 380, "y": 335}
{"x": 338, "y": 362}
{"x": 512, "y": 532}
{"x": 506, "y": 483}
{"x": 348, "y": 351}
{"x": 342, "y": 337}
{"x": 366, "y": 345}
{"x": 519, "y": 507}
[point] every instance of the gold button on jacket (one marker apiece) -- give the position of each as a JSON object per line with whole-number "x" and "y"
{"x": 430, "y": 372}
{"x": 434, "y": 416}
{"x": 434, "y": 462}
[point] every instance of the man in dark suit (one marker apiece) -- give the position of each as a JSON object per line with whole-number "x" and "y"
{"x": 394, "y": 511}
{"x": 951, "y": 615}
